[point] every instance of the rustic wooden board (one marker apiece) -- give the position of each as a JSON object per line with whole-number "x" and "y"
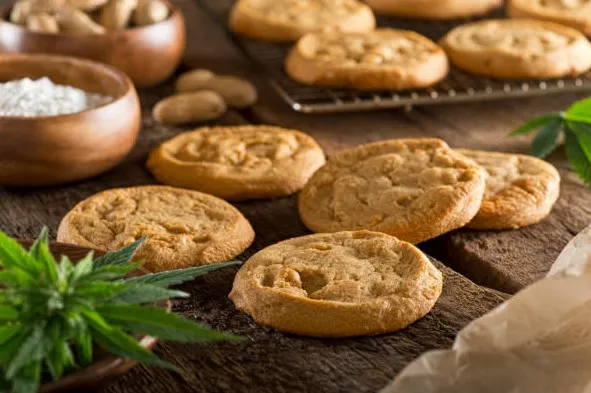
{"x": 505, "y": 260}
{"x": 266, "y": 361}
{"x": 269, "y": 362}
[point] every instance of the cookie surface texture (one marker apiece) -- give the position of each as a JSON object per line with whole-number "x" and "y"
{"x": 520, "y": 190}
{"x": 518, "y": 49}
{"x": 434, "y": 9}
{"x": 384, "y": 59}
{"x": 573, "y": 13}
{"x": 338, "y": 285}
{"x": 288, "y": 20}
{"x": 184, "y": 228}
{"x": 414, "y": 189}
{"x": 238, "y": 163}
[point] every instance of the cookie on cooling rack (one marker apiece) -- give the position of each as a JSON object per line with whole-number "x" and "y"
{"x": 573, "y": 13}
{"x": 434, "y": 9}
{"x": 384, "y": 59}
{"x": 518, "y": 49}
{"x": 288, "y": 20}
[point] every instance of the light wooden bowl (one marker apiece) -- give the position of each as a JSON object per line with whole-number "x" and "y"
{"x": 148, "y": 54}
{"x": 106, "y": 368}
{"x": 39, "y": 151}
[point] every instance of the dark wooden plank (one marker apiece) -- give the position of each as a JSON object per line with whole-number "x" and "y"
{"x": 505, "y": 260}
{"x": 266, "y": 361}
{"x": 270, "y": 362}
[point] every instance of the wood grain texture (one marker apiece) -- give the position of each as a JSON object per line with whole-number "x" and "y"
{"x": 270, "y": 362}
{"x": 72, "y": 147}
{"x": 148, "y": 54}
{"x": 505, "y": 260}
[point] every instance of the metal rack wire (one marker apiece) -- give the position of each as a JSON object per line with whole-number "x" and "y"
{"x": 457, "y": 87}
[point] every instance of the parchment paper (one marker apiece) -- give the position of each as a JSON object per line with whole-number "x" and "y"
{"x": 539, "y": 341}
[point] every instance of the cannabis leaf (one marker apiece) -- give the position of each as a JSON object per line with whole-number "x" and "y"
{"x": 52, "y": 314}
{"x": 575, "y": 125}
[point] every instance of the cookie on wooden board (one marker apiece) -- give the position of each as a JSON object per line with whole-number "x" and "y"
{"x": 518, "y": 49}
{"x": 184, "y": 228}
{"x": 520, "y": 190}
{"x": 414, "y": 189}
{"x": 573, "y": 13}
{"x": 238, "y": 163}
{"x": 337, "y": 285}
{"x": 385, "y": 59}
{"x": 434, "y": 9}
{"x": 288, "y": 20}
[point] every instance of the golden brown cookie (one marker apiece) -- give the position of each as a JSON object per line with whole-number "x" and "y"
{"x": 238, "y": 163}
{"x": 384, "y": 59}
{"x": 520, "y": 190}
{"x": 337, "y": 285}
{"x": 184, "y": 228}
{"x": 288, "y": 20}
{"x": 434, "y": 9}
{"x": 518, "y": 49}
{"x": 414, "y": 189}
{"x": 573, "y": 13}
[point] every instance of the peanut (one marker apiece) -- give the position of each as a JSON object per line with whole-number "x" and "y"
{"x": 117, "y": 14}
{"x": 85, "y": 5}
{"x": 150, "y": 11}
{"x": 42, "y": 22}
{"x": 188, "y": 108}
{"x": 46, "y": 5}
{"x": 78, "y": 22}
{"x": 237, "y": 92}
{"x": 20, "y": 11}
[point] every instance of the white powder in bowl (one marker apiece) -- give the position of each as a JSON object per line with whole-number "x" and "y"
{"x": 41, "y": 97}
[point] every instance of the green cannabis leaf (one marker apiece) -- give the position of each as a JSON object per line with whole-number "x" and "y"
{"x": 575, "y": 125}
{"x": 53, "y": 313}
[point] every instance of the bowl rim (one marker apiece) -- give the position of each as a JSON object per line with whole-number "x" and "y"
{"x": 110, "y": 366}
{"x": 174, "y": 13}
{"x": 106, "y": 68}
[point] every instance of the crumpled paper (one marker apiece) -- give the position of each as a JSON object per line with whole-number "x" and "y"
{"x": 539, "y": 341}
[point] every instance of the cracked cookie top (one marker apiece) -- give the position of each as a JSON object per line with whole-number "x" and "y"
{"x": 238, "y": 162}
{"x": 520, "y": 190}
{"x": 321, "y": 279}
{"x": 520, "y": 38}
{"x": 414, "y": 189}
{"x": 183, "y": 228}
{"x": 311, "y": 13}
{"x": 385, "y": 47}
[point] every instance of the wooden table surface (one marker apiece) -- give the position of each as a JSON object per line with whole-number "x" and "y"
{"x": 271, "y": 362}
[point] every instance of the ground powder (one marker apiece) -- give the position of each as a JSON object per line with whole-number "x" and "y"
{"x": 41, "y": 97}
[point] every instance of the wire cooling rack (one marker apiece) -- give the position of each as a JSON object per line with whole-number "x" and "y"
{"x": 457, "y": 87}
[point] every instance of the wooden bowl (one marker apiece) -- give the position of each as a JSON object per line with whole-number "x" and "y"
{"x": 148, "y": 54}
{"x": 48, "y": 150}
{"x": 104, "y": 370}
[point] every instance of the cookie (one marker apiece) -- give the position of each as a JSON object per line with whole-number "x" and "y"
{"x": 520, "y": 190}
{"x": 184, "y": 228}
{"x": 337, "y": 285}
{"x": 434, "y": 9}
{"x": 238, "y": 163}
{"x": 288, "y": 20}
{"x": 518, "y": 49}
{"x": 414, "y": 189}
{"x": 384, "y": 59}
{"x": 573, "y": 13}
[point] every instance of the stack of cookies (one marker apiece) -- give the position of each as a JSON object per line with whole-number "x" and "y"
{"x": 338, "y": 45}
